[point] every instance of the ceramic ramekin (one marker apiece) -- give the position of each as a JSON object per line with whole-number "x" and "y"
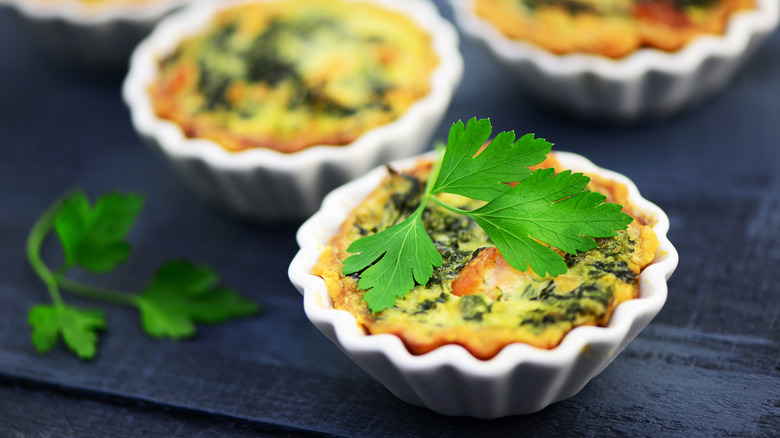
{"x": 646, "y": 85}
{"x": 264, "y": 184}
{"x": 100, "y": 35}
{"x": 521, "y": 379}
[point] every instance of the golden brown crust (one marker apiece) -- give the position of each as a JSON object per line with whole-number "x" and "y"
{"x": 556, "y": 30}
{"x": 665, "y": 27}
{"x": 613, "y": 29}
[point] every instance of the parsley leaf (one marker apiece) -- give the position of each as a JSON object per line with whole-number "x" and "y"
{"x": 181, "y": 294}
{"x": 77, "y": 327}
{"x": 541, "y": 209}
{"x": 552, "y": 209}
{"x": 481, "y": 172}
{"x": 94, "y": 238}
{"x": 394, "y": 260}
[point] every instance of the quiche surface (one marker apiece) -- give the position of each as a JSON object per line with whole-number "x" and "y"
{"x": 287, "y": 75}
{"x": 475, "y": 299}
{"x": 612, "y": 28}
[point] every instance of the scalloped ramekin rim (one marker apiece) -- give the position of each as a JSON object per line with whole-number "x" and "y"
{"x": 313, "y": 234}
{"x": 444, "y": 80}
{"x": 731, "y": 44}
{"x": 80, "y": 14}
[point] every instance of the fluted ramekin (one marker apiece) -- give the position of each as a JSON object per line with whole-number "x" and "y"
{"x": 649, "y": 84}
{"x": 100, "y": 35}
{"x": 264, "y": 184}
{"x": 521, "y": 379}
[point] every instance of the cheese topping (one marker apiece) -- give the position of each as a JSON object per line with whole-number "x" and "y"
{"x": 291, "y": 74}
{"x": 476, "y": 299}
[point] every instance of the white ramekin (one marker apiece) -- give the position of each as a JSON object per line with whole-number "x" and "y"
{"x": 99, "y": 35}
{"x": 647, "y": 85}
{"x": 521, "y": 379}
{"x": 263, "y": 184}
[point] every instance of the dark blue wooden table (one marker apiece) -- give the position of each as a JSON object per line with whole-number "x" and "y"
{"x": 708, "y": 365}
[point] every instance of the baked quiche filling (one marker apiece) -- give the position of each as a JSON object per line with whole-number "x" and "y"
{"x": 613, "y": 28}
{"x": 476, "y": 299}
{"x": 287, "y": 75}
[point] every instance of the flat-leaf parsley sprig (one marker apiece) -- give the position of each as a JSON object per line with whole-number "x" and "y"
{"x": 94, "y": 239}
{"x": 526, "y": 214}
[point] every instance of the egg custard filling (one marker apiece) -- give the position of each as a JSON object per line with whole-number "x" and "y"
{"x": 476, "y": 299}
{"x": 287, "y": 75}
{"x": 612, "y": 28}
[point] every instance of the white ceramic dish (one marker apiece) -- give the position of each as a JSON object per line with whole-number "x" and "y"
{"x": 649, "y": 84}
{"x": 102, "y": 35}
{"x": 519, "y": 380}
{"x": 262, "y": 183}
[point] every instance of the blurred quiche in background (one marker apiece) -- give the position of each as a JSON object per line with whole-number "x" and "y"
{"x": 287, "y": 75}
{"x": 613, "y": 28}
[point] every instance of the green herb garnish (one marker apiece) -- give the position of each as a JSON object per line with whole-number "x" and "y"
{"x": 94, "y": 238}
{"x": 522, "y": 209}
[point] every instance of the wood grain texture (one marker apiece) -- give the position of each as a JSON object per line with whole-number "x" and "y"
{"x": 708, "y": 365}
{"x": 34, "y": 410}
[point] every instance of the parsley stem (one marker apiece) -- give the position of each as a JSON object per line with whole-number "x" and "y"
{"x": 38, "y": 234}
{"x": 435, "y": 169}
{"x": 56, "y": 280}
{"x": 97, "y": 293}
{"x": 449, "y": 207}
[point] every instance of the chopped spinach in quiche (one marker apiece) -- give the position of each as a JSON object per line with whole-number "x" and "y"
{"x": 291, "y": 74}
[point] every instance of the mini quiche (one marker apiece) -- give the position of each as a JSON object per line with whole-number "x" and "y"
{"x": 476, "y": 299}
{"x": 613, "y": 28}
{"x": 287, "y": 75}
{"x": 97, "y": 2}
{"x": 90, "y": 7}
